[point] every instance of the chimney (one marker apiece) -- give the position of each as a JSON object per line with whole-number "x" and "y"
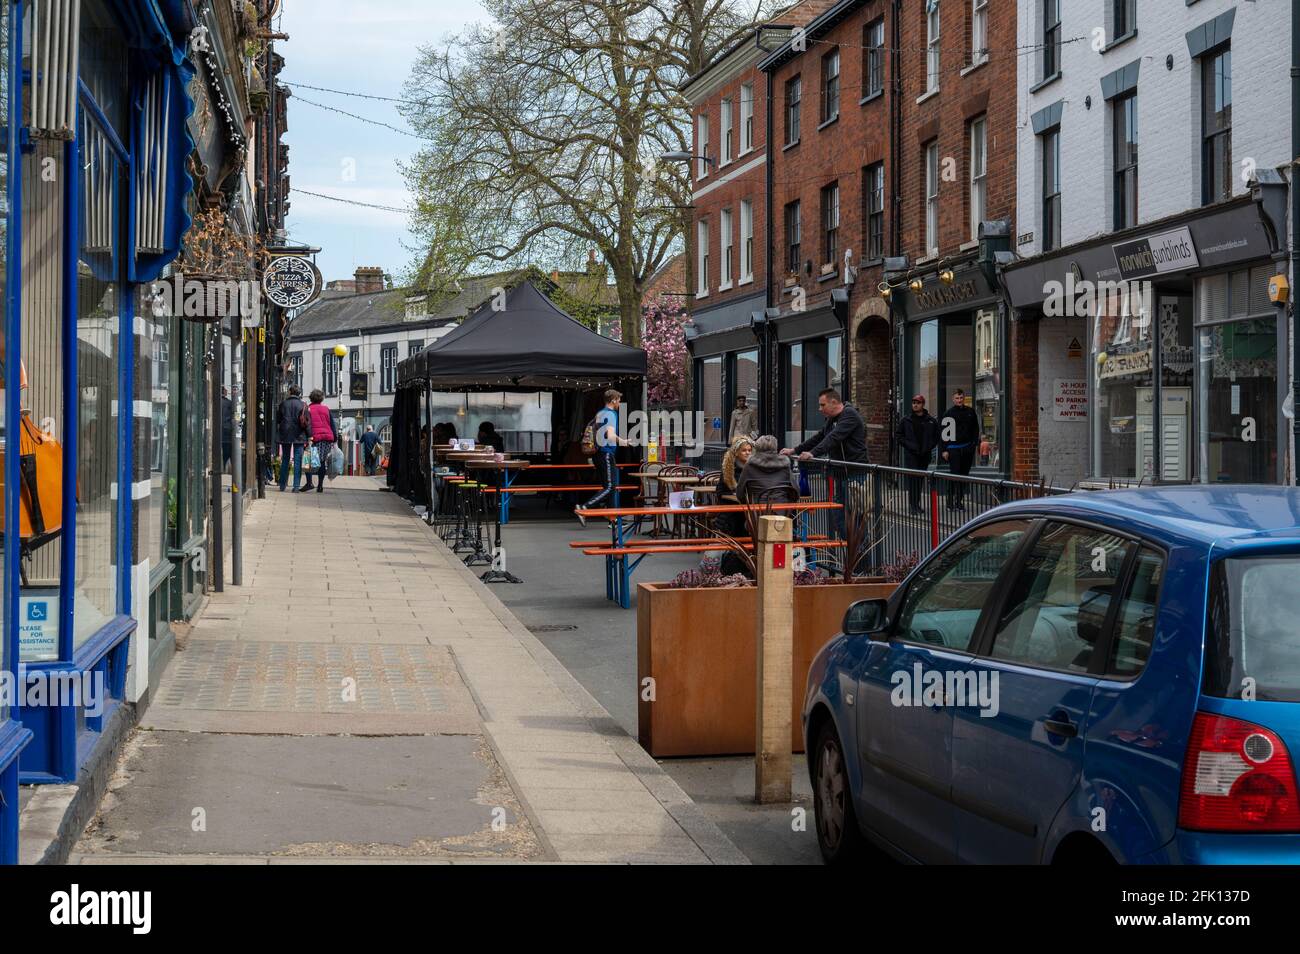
{"x": 369, "y": 279}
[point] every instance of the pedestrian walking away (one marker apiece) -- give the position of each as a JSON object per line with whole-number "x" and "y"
{"x": 291, "y": 436}
{"x": 370, "y": 449}
{"x": 918, "y": 435}
{"x": 842, "y": 438}
{"x": 323, "y": 435}
{"x": 959, "y": 434}
{"x": 227, "y": 428}
{"x": 605, "y": 442}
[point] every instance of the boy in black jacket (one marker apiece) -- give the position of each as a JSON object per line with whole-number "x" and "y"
{"x": 959, "y": 436}
{"x": 918, "y": 435}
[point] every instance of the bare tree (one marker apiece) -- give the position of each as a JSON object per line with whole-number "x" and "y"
{"x": 543, "y": 133}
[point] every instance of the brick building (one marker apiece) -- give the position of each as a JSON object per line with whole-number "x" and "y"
{"x": 729, "y": 234}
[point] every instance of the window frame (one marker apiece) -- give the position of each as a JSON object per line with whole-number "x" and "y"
{"x": 830, "y": 222}
{"x": 873, "y": 196}
{"x": 1208, "y": 61}
{"x": 830, "y": 86}
{"x": 726, "y": 249}
{"x": 930, "y": 196}
{"x": 702, "y": 145}
{"x": 1123, "y": 20}
{"x": 746, "y": 242}
{"x": 725, "y": 131}
{"x": 1050, "y": 38}
{"x": 1124, "y": 195}
{"x": 793, "y": 108}
{"x": 933, "y": 58}
{"x": 746, "y": 118}
{"x": 701, "y": 258}
{"x": 1050, "y": 202}
{"x": 978, "y": 181}
{"x": 794, "y": 235}
{"x": 388, "y": 368}
{"x": 979, "y": 23}
{"x": 873, "y": 59}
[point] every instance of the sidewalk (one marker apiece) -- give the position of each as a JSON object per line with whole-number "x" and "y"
{"x": 364, "y": 696}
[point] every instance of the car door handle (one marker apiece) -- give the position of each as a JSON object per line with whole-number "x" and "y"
{"x": 1062, "y": 727}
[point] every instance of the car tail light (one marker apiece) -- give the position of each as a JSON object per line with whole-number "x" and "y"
{"x": 1238, "y": 777}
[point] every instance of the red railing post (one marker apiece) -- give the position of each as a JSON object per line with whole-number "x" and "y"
{"x": 934, "y": 517}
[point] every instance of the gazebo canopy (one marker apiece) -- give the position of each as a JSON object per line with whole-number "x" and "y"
{"x": 530, "y": 345}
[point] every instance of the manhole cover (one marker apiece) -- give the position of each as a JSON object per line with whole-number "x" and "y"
{"x": 552, "y": 628}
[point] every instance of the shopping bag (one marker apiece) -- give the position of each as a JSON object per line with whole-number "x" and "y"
{"x": 311, "y": 460}
{"x": 335, "y": 464}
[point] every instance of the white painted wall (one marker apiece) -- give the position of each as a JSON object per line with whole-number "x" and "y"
{"x": 1169, "y": 126}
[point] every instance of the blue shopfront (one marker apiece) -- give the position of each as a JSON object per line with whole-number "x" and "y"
{"x": 97, "y": 88}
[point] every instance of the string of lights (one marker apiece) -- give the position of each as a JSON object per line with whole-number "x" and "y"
{"x": 335, "y": 198}
{"x": 345, "y": 92}
{"x": 344, "y": 112}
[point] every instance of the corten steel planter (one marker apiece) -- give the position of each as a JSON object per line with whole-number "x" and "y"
{"x": 699, "y": 647}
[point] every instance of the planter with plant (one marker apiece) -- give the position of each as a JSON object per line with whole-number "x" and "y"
{"x": 697, "y": 637}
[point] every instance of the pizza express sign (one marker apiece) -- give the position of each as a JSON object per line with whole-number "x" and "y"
{"x": 291, "y": 282}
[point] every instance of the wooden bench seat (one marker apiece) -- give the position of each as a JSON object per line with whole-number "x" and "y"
{"x": 554, "y": 488}
{"x": 698, "y": 548}
{"x": 718, "y": 542}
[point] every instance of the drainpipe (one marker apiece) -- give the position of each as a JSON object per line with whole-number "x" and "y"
{"x": 1295, "y": 242}
{"x": 238, "y": 392}
{"x": 896, "y": 341}
{"x": 766, "y": 357}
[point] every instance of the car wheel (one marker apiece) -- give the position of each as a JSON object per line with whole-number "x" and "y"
{"x": 838, "y": 835}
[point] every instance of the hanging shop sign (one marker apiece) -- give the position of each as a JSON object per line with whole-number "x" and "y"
{"x": 359, "y": 387}
{"x": 291, "y": 281}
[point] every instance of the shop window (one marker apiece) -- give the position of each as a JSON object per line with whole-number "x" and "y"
{"x": 154, "y": 378}
{"x": 744, "y": 379}
{"x": 99, "y": 310}
{"x": 1122, "y": 361}
{"x": 988, "y": 387}
{"x": 1238, "y": 388}
{"x": 1124, "y": 136}
{"x": 1216, "y": 126}
{"x": 810, "y": 366}
{"x": 941, "y": 359}
{"x": 709, "y": 378}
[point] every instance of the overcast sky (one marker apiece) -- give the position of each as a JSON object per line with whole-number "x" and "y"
{"x": 365, "y": 48}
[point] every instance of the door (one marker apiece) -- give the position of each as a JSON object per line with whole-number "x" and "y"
{"x": 905, "y": 719}
{"x": 1018, "y": 755}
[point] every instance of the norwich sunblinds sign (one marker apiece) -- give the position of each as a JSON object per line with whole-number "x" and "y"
{"x": 1172, "y": 251}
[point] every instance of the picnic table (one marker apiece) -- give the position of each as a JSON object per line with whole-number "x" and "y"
{"x": 619, "y": 567}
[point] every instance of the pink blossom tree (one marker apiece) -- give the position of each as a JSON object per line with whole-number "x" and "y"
{"x": 664, "y": 341}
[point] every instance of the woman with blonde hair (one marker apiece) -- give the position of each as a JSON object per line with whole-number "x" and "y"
{"x": 733, "y": 464}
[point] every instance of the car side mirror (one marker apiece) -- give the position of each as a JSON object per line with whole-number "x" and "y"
{"x": 865, "y": 617}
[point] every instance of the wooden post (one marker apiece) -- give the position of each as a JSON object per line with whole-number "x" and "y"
{"x": 773, "y": 557}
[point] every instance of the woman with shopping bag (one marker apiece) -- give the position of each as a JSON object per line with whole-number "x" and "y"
{"x": 322, "y": 437}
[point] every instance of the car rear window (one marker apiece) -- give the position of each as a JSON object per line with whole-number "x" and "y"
{"x": 1252, "y": 638}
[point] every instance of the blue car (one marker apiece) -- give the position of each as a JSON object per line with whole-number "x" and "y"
{"x": 1093, "y": 678}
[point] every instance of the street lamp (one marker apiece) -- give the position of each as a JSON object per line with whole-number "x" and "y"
{"x": 686, "y": 156}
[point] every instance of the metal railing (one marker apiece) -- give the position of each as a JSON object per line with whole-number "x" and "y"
{"x": 908, "y": 512}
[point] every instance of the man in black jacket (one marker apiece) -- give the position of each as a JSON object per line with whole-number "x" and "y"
{"x": 291, "y": 436}
{"x": 842, "y": 438}
{"x": 918, "y": 435}
{"x": 959, "y": 436}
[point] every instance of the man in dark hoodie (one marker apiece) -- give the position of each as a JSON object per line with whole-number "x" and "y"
{"x": 291, "y": 436}
{"x": 959, "y": 437}
{"x": 917, "y": 434}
